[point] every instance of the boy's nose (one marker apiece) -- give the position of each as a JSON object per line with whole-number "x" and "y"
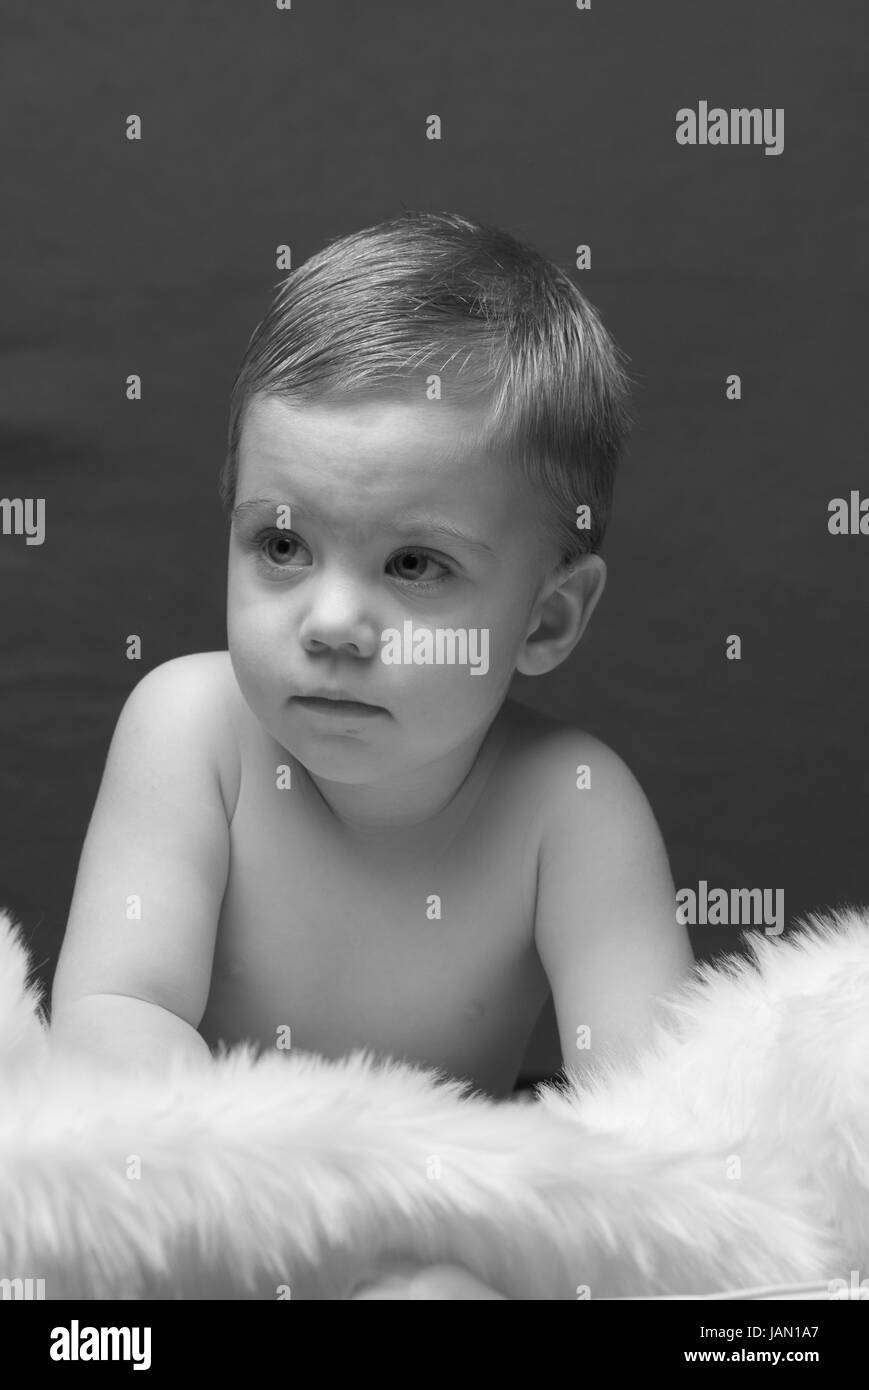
{"x": 338, "y": 616}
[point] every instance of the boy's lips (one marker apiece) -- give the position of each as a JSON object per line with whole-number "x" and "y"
{"x": 336, "y": 702}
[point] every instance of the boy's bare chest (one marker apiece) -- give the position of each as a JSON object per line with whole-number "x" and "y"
{"x": 410, "y": 948}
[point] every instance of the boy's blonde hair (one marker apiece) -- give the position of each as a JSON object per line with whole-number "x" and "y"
{"x": 380, "y": 311}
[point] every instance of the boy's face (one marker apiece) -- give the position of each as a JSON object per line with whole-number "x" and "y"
{"x": 312, "y": 593}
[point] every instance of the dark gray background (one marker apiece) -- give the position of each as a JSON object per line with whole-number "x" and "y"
{"x": 263, "y": 127}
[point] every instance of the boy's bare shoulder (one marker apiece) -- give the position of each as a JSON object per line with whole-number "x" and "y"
{"x": 203, "y": 686}
{"x": 547, "y": 744}
{"x": 552, "y": 762}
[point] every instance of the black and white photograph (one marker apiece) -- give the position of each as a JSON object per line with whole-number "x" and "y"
{"x": 434, "y": 547}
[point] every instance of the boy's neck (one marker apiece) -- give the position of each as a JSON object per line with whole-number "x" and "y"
{"x": 422, "y": 797}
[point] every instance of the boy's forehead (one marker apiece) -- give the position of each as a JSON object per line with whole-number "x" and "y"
{"x": 374, "y": 432}
{"x": 378, "y": 457}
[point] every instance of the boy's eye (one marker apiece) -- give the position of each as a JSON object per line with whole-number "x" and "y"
{"x": 417, "y": 561}
{"x": 280, "y": 550}
{"x": 279, "y": 546}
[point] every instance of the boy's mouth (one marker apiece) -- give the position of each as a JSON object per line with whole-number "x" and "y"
{"x": 333, "y": 705}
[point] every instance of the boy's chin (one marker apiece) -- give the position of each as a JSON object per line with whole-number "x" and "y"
{"x": 346, "y": 757}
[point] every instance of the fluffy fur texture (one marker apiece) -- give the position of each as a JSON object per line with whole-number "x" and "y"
{"x": 733, "y": 1153}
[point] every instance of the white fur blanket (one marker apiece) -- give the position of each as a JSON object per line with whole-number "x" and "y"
{"x": 734, "y": 1154}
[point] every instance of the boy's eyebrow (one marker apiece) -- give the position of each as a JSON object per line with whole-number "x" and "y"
{"x": 402, "y": 526}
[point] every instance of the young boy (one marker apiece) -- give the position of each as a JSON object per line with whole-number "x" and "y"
{"x": 341, "y": 832}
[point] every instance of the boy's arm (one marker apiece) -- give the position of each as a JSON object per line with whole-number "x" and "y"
{"x": 606, "y": 927}
{"x": 134, "y": 971}
{"x": 122, "y": 1032}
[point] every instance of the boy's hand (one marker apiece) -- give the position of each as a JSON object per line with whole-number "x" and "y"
{"x": 406, "y": 1281}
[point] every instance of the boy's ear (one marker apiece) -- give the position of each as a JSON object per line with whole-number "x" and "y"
{"x": 560, "y": 615}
